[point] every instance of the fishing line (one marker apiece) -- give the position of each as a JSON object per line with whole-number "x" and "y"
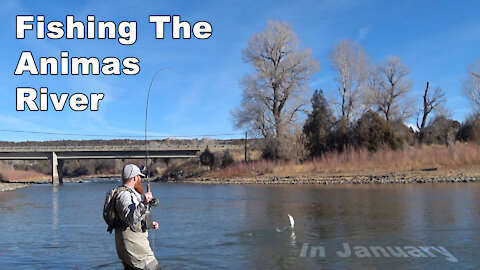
{"x": 146, "y": 124}
{"x": 147, "y": 169}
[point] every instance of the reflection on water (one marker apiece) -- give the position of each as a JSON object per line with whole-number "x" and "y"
{"x": 55, "y": 218}
{"x": 246, "y": 226}
{"x": 55, "y": 206}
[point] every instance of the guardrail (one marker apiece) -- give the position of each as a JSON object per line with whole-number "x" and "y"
{"x": 110, "y": 147}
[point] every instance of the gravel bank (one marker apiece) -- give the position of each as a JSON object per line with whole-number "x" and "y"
{"x": 11, "y": 186}
{"x": 359, "y": 179}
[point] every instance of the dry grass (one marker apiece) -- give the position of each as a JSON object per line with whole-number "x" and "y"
{"x": 238, "y": 152}
{"x": 18, "y": 175}
{"x": 458, "y": 156}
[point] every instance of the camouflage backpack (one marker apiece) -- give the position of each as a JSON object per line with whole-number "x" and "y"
{"x": 109, "y": 208}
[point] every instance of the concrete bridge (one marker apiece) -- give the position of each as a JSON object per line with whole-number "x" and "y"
{"x": 56, "y": 154}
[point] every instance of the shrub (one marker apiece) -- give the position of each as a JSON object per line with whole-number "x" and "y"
{"x": 289, "y": 147}
{"x": 441, "y": 130}
{"x": 404, "y": 133}
{"x": 374, "y": 133}
{"x": 270, "y": 149}
{"x": 207, "y": 158}
{"x": 75, "y": 168}
{"x": 41, "y": 166}
{"x": 341, "y": 137}
{"x": 104, "y": 166}
{"x": 470, "y": 130}
{"x": 226, "y": 159}
{"x": 80, "y": 170}
{"x": 180, "y": 169}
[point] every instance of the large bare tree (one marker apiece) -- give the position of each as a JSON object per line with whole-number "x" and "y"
{"x": 471, "y": 86}
{"x": 277, "y": 90}
{"x": 431, "y": 101}
{"x": 350, "y": 62}
{"x": 388, "y": 89}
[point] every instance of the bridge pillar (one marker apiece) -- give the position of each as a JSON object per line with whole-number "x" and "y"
{"x": 56, "y": 173}
{"x": 60, "y": 170}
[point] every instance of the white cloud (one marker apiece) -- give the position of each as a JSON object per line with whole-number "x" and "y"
{"x": 362, "y": 33}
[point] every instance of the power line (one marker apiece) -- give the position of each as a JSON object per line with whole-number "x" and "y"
{"x": 118, "y": 136}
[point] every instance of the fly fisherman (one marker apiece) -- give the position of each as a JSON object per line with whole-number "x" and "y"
{"x": 131, "y": 239}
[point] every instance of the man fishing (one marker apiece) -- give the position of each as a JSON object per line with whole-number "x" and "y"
{"x": 131, "y": 239}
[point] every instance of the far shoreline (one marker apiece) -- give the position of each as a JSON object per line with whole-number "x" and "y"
{"x": 408, "y": 177}
{"x": 4, "y": 186}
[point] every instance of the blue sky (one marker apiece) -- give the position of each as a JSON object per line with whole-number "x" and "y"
{"x": 436, "y": 39}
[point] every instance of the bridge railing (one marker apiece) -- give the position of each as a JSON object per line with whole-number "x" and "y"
{"x": 110, "y": 147}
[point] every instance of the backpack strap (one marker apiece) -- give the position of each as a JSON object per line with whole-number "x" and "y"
{"x": 120, "y": 189}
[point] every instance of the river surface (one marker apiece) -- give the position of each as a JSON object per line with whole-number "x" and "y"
{"x": 246, "y": 227}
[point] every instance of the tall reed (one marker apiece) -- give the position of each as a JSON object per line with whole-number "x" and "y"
{"x": 460, "y": 155}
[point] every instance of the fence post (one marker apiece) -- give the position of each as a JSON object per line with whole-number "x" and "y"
{"x": 246, "y": 135}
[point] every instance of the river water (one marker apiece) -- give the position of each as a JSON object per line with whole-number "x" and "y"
{"x": 246, "y": 227}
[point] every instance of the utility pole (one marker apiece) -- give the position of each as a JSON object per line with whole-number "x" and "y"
{"x": 246, "y": 134}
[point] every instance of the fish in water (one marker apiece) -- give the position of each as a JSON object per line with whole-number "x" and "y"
{"x": 292, "y": 224}
{"x": 292, "y": 221}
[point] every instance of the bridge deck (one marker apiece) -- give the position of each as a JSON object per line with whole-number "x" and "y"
{"x": 89, "y": 153}
{"x": 16, "y": 149}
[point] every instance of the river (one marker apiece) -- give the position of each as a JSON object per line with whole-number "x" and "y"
{"x": 391, "y": 226}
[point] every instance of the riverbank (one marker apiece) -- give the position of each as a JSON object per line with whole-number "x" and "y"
{"x": 8, "y": 185}
{"x": 15, "y": 179}
{"x": 11, "y": 186}
{"x": 408, "y": 177}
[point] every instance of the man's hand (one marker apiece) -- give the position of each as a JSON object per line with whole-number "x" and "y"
{"x": 148, "y": 197}
{"x": 155, "y": 225}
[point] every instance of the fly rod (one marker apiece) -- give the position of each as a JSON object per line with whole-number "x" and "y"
{"x": 154, "y": 201}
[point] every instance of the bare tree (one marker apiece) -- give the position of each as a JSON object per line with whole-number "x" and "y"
{"x": 277, "y": 91}
{"x": 471, "y": 86}
{"x": 430, "y": 103}
{"x": 350, "y": 62}
{"x": 388, "y": 89}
